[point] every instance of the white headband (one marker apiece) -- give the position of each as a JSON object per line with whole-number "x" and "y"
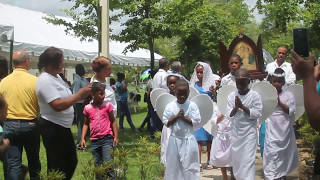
{"x": 278, "y": 75}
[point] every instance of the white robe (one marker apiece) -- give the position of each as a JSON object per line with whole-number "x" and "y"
{"x": 182, "y": 154}
{"x": 164, "y": 142}
{"x": 280, "y": 155}
{"x": 220, "y": 155}
{"x": 244, "y": 134}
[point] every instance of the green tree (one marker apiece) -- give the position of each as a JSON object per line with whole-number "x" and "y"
{"x": 280, "y": 13}
{"x": 86, "y": 24}
{"x": 312, "y": 21}
{"x": 282, "y": 16}
{"x": 199, "y": 25}
{"x": 144, "y": 24}
{"x": 167, "y": 47}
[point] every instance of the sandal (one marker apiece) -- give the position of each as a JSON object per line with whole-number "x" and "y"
{"x": 209, "y": 166}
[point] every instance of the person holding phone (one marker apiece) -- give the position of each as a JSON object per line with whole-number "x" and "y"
{"x": 280, "y": 62}
{"x": 305, "y": 70}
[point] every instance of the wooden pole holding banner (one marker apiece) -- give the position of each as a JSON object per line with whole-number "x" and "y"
{"x": 104, "y": 28}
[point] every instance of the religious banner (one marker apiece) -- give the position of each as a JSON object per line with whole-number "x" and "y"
{"x": 250, "y": 53}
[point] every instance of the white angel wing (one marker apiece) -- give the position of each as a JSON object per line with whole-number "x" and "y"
{"x": 205, "y": 106}
{"x": 269, "y": 98}
{"x": 162, "y": 101}
{"x": 222, "y": 97}
{"x": 297, "y": 92}
{"x": 155, "y": 93}
{"x": 211, "y": 126}
{"x": 193, "y": 92}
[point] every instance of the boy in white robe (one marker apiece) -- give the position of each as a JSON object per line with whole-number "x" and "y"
{"x": 244, "y": 108}
{"x": 171, "y": 84}
{"x": 182, "y": 155}
{"x": 280, "y": 155}
{"x": 221, "y": 155}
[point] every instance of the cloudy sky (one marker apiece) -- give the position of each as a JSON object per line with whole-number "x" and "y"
{"x": 55, "y": 6}
{"x": 49, "y": 6}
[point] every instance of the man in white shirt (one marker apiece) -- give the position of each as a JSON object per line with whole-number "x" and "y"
{"x": 158, "y": 79}
{"x": 282, "y": 54}
{"x": 159, "y": 82}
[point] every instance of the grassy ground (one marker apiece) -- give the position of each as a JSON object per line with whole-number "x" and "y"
{"x": 127, "y": 139}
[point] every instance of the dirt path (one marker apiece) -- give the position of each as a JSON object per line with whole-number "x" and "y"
{"x": 215, "y": 174}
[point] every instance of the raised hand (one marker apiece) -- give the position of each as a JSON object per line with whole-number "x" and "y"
{"x": 85, "y": 92}
{"x": 181, "y": 113}
{"x": 301, "y": 67}
{"x": 238, "y": 102}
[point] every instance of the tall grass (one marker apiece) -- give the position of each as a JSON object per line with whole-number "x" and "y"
{"x": 128, "y": 140}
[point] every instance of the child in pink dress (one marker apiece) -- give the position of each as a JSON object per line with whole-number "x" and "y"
{"x": 103, "y": 128}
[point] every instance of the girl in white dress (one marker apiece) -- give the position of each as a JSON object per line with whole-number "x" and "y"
{"x": 221, "y": 144}
{"x": 280, "y": 155}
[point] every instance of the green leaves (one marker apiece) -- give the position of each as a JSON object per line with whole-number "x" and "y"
{"x": 199, "y": 26}
{"x": 283, "y": 16}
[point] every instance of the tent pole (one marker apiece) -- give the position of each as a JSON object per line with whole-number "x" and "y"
{"x": 11, "y": 53}
{"x": 104, "y": 28}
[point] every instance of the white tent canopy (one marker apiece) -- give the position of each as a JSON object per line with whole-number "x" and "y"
{"x": 31, "y": 32}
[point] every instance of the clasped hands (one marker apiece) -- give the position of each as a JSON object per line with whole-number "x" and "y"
{"x": 180, "y": 114}
{"x": 238, "y": 103}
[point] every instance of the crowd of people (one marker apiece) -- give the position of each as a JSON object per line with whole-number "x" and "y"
{"x": 235, "y": 145}
{"x": 31, "y": 107}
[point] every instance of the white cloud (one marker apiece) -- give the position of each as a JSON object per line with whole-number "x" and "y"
{"x": 49, "y": 6}
{"x": 55, "y": 6}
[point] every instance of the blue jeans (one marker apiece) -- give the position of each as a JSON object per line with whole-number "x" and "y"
{"x": 22, "y": 134}
{"x": 101, "y": 153}
{"x": 124, "y": 111}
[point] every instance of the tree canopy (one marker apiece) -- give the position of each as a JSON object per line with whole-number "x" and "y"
{"x": 189, "y": 30}
{"x": 199, "y": 25}
{"x": 86, "y": 24}
{"x": 144, "y": 24}
{"x": 283, "y": 16}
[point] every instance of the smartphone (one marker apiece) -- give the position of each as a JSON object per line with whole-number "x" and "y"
{"x": 300, "y": 42}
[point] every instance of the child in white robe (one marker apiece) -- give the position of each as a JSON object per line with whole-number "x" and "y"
{"x": 244, "y": 108}
{"x": 221, "y": 155}
{"x": 171, "y": 84}
{"x": 221, "y": 145}
{"x": 280, "y": 155}
{"x": 182, "y": 155}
